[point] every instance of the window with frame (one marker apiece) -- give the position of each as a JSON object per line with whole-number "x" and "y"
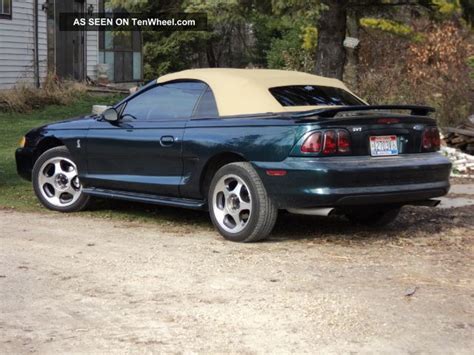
{"x": 165, "y": 102}
{"x": 122, "y": 51}
{"x": 6, "y": 9}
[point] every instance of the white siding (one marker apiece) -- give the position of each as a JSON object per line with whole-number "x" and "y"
{"x": 17, "y": 45}
{"x": 92, "y": 49}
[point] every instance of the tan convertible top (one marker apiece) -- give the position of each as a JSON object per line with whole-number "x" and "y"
{"x": 245, "y": 91}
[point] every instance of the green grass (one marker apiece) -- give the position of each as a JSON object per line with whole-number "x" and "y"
{"x": 18, "y": 194}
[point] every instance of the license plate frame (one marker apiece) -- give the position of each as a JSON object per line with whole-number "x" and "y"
{"x": 382, "y": 146}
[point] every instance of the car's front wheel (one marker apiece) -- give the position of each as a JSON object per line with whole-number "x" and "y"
{"x": 56, "y": 181}
{"x": 239, "y": 205}
{"x": 373, "y": 216}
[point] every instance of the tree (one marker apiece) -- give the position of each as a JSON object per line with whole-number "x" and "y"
{"x": 292, "y": 34}
{"x": 330, "y": 54}
{"x": 332, "y": 25}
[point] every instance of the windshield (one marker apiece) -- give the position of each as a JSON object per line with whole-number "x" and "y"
{"x": 311, "y": 95}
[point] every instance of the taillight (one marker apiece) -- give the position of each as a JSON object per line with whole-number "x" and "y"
{"x": 426, "y": 139}
{"x": 328, "y": 142}
{"x": 312, "y": 144}
{"x": 430, "y": 139}
{"x": 343, "y": 141}
{"x": 435, "y": 139}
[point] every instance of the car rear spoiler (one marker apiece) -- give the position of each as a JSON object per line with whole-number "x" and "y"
{"x": 331, "y": 112}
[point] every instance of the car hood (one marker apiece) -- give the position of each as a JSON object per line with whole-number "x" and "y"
{"x": 80, "y": 122}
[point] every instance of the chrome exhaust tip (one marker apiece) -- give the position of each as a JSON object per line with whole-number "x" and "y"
{"x": 428, "y": 203}
{"x": 326, "y": 211}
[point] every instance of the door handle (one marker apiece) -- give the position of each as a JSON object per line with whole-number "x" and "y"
{"x": 166, "y": 141}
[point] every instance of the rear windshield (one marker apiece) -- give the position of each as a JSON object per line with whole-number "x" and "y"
{"x": 310, "y": 95}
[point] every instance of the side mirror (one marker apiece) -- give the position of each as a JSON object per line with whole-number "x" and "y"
{"x": 110, "y": 115}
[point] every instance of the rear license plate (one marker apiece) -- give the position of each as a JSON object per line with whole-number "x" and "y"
{"x": 383, "y": 145}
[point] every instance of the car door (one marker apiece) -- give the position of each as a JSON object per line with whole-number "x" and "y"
{"x": 141, "y": 152}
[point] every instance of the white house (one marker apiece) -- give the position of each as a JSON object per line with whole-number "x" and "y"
{"x": 31, "y": 44}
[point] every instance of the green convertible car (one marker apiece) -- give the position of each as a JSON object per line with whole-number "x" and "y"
{"x": 242, "y": 144}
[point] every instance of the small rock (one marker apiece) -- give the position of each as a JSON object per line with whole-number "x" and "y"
{"x": 410, "y": 291}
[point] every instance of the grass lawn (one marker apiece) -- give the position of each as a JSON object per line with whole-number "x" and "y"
{"x": 18, "y": 194}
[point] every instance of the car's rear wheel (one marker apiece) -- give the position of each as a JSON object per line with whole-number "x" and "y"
{"x": 239, "y": 205}
{"x": 56, "y": 181}
{"x": 373, "y": 216}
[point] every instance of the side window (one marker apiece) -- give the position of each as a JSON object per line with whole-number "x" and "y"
{"x": 207, "y": 105}
{"x": 165, "y": 102}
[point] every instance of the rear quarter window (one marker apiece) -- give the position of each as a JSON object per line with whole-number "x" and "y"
{"x": 311, "y": 95}
{"x": 206, "y": 106}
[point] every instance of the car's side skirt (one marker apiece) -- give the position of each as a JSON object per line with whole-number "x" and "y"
{"x": 147, "y": 198}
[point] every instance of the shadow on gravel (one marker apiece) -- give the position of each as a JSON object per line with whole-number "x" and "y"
{"x": 412, "y": 222}
{"x": 135, "y": 211}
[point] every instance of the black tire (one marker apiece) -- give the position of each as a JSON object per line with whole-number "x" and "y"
{"x": 58, "y": 152}
{"x": 263, "y": 211}
{"x": 373, "y": 217}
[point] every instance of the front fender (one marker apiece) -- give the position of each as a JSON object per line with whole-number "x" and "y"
{"x": 40, "y": 140}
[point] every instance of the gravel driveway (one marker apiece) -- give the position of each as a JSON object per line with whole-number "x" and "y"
{"x": 69, "y": 283}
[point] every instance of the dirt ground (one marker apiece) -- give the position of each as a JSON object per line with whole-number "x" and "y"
{"x": 69, "y": 283}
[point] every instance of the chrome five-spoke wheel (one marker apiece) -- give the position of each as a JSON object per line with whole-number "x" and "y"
{"x": 232, "y": 203}
{"x": 58, "y": 182}
{"x": 239, "y": 206}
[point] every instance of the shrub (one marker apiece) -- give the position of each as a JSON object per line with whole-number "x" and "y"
{"x": 434, "y": 71}
{"x": 53, "y": 92}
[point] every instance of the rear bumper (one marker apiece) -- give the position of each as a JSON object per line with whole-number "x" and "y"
{"x": 342, "y": 181}
{"x": 24, "y": 162}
